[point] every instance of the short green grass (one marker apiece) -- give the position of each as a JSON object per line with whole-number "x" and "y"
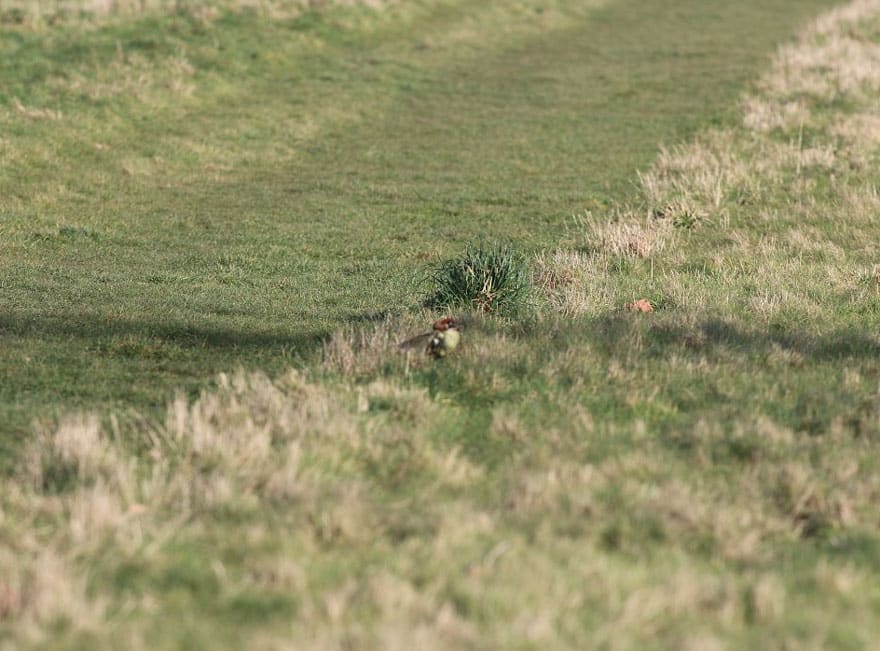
{"x": 269, "y": 193}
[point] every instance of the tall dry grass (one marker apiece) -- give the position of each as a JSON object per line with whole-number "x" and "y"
{"x": 89, "y": 494}
{"x": 91, "y": 498}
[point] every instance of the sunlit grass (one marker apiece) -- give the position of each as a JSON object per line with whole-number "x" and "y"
{"x": 701, "y": 476}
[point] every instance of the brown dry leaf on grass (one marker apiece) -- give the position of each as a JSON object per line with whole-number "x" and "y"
{"x": 641, "y": 305}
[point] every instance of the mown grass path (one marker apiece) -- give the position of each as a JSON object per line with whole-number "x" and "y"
{"x": 180, "y": 197}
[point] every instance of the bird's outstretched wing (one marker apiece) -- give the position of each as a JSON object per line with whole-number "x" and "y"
{"x": 419, "y": 341}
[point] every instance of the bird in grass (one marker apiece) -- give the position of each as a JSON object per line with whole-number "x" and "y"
{"x": 443, "y": 338}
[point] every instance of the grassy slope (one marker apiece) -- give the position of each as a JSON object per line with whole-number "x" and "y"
{"x": 702, "y": 477}
{"x": 183, "y": 195}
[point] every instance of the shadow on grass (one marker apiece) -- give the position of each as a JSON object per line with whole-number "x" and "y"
{"x": 660, "y": 336}
{"x": 184, "y": 335}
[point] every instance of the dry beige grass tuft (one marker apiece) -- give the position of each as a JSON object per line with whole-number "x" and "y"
{"x": 564, "y": 277}
{"x": 837, "y": 58}
{"x": 363, "y": 350}
{"x": 35, "y": 113}
{"x": 132, "y": 75}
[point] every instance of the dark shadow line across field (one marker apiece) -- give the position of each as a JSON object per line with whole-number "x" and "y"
{"x": 186, "y": 335}
{"x": 610, "y": 330}
{"x": 717, "y": 335}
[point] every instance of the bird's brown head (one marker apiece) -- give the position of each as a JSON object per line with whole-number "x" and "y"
{"x": 441, "y": 325}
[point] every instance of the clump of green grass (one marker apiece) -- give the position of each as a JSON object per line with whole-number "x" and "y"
{"x": 490, "y": 278}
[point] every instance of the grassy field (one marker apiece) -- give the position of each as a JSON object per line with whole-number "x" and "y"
{"x": 258, "y": 191}
{"x": 186, "y": 193}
